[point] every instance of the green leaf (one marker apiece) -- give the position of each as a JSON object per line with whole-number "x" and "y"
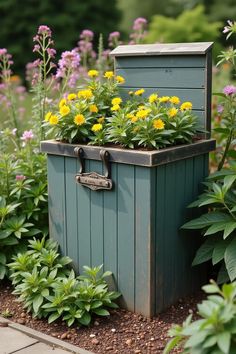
{"x": 5, "y": 234}
{"x": 223, "y": 275}
{"x": 3, "y": 271}
{"x": 204, "y": 253}
{"x": 230, "y": 259}
{"x": 206, "y": 220}
{"x": 210, "y": 288}
{"x": 223, "y": 341}
{"x": 85, "y": 319}
{"x": 53, "y": 317}
{"x": 37, "y": 302}
{"x": 219, "y": 251}
{"x": 3, "y": 258}
{"x": 101, "y": 312}
{"x": 172, "y": 344}
{"x": 229, "y": 228}
{"x": 213, "y": 229}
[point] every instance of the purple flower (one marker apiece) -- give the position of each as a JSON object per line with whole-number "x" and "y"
{"x": 229, "y": 90}
{"x": 114, "y": 35}
{"x": 20, "y": 177}
{"x": 69, "y": 63}
{"x": 3, "y": 51}
{"x": 27, "y": 135}
{"x": 87, "y": 35}
{"x": 51, "y": 52}
{"x": 44, "y": 30}
{"x": 139, "y": 24}
{"x": 220, "y": 108}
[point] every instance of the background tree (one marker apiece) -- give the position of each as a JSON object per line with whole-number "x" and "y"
{"x": 20, "y": 20}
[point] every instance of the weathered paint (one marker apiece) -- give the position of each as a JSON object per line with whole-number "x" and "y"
{"x": 133, "y": 230}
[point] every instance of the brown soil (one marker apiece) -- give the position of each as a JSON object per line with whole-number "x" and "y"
{"x": 123, "y": 332}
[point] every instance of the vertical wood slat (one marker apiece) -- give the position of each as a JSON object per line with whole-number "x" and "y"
{"x": 143, "y": 240}
{"x": 56, "y": 201}
{"x": 126, "y": 225}
{"x": 96, "y": 220}
{"x": 110, "y": 229}
{"x": 83, "y": 220}
{"x": 71, "y": 211}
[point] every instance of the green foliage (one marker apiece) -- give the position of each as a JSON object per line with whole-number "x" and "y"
{"x": 215, "y": 331}
{"x": 219, "y": 224}
{"x": 190, "y": 26}
{"x": 67, "y": 19}
{"x": 48, "y": 289}
{"x": 23, "y": 198}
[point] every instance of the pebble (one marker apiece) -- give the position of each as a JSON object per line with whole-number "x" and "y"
{"x": 21, "y": 321}
{"x": 64, "y": 335}
{"x": 23, "y": 315}
{"x": 109, "y": 348}
{"x": 95, "y": 341}
{"x": 137, "y": 351}
{"x": 92, "y": 335}
{"x": 113, "y": 330}
{"x": 129, "y": 341}
{"x": 96, "y": 323}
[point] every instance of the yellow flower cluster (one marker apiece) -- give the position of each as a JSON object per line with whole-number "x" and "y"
{"x": 79, "y": 119}
{"x": 186, "y": 106}
{"x": 71, "y": 96}
{"x": 174, "y": 100}
{"x": 116, "y": 100}
{"x": 153, "y": 98}
{"x": 86, "y": 94}
{"x": 158, "y": 124}
{"x": 96, "y": 127}
{"x": 164, "y": 99}
{"x": 64, "y": 110}
{"x": 109, "y": 74}
{"x": 139, "y": 92}
{"x": 172, "y": 112}
{"x": 93, "y": 73}
{"x": 143, "y": 113}
{"x": 93, "y": 108}
{"x": 120, "y": 79}
{"x": 116, "y": 107}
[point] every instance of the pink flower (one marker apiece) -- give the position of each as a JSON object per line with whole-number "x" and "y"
{"x": 44, "y": 30}
{"x": 139, "y": 23}
{"x": 20, "y": 177}
{"x": 229, "y": 90}
{"x": 3, "y": 51}
{"x": 27, "y": 135}
{"x": 87, "y": 34}
{"x": 14, "y": 131}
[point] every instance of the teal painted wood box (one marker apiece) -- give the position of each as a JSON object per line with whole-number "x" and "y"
{"x": 132, "y": 228}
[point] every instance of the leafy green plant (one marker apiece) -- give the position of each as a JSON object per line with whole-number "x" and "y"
{"x": 48, "y": 288}
{"x": 215, "y": 331}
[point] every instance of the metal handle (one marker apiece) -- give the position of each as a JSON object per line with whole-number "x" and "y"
{"x": 94, "y": 180}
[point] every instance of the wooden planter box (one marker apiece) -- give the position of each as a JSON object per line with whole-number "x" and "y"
{"x": 132, "y": 228}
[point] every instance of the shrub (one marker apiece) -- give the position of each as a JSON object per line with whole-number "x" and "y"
{"x": 214, "y": 332}
{"x": 48, "y": 288}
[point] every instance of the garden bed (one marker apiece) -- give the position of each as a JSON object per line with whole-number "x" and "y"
{"x": 124, "y": 332}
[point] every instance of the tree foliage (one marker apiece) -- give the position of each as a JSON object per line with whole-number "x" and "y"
{"x": 190, "y": 26}
{"x": 20, "y": 19}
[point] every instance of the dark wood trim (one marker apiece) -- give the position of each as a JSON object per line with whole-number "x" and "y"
{"x": 132, "y": 157}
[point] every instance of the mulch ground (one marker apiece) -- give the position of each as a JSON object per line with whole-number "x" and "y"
{"x": 123, "y": 332}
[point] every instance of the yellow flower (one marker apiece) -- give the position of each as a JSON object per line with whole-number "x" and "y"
{"x": 164, "y": 99}
{"x": 116, "y": 107}
{"x": 186, "y": 105}
{"x": 132, "y": 117}
{"x": 158, "y": 124}
{"x": 71, "y": 96}
{"x": 109, "y": 74}
{"x": 15, "y": 78}
{"x": 93, "y": 108}
{"x": 93, "y": 73}
{"x": 47, "y": 116}
{"x": 175, "y": 100}
{"x": 120, "y": 79}
{"x": 64, "y": 110}
{"x": 85, "y": 94}
{"x": 79, "y": 119}
{"x": 116, "y": 100}
{"x": 101, "y": 120}
{"x": 172, "y": 112}
{"x": 62, "y": 102}
{"x": 131, "y": 93}
{"x": 152, "y": 98}
{"x": 143, "y": 113}
{"x": 139, "y": 92}
{"x": 96, "y": 127}
{"x": 53, "y": 120}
